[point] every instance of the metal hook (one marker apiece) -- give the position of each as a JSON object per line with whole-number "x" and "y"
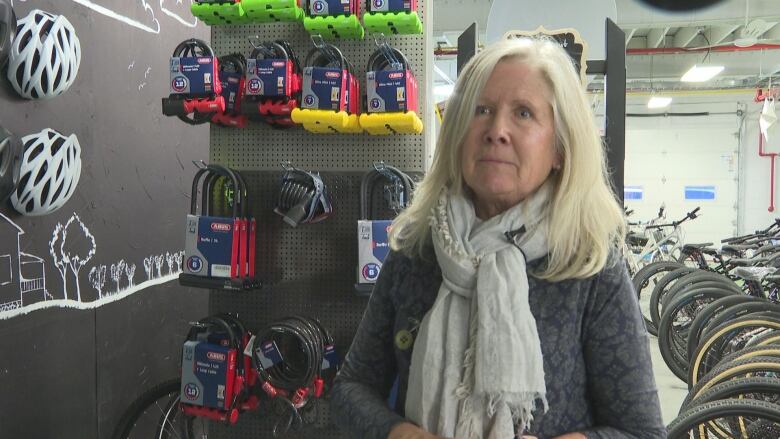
{"x": 318, "y": 41}
{"x": 259, "y": 40}
{"x": 380, "y": 166}
{"x": 378, "y": 37}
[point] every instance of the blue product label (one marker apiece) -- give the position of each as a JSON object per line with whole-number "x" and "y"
{"x": 267, "y": 77}
{"x": 330, "y": 359}
{"x": 386, "y": 91}
{"x": 268, "y": 354}
{"x": 379, "y": 241}
{"x": 329, "y": 7}
{"x": 391, "y": 5}
{"x": 212, "y": 369}
{"x": 231, "y": 90}
{"x": 192, "y": 75}
{"x": 323, "y": 88}
{"x": 215, "y": 243}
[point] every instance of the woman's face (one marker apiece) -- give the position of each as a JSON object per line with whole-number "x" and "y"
{"x": 509, "y": 149}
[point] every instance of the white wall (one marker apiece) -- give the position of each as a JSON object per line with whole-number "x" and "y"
{"x": 755, "y": 178}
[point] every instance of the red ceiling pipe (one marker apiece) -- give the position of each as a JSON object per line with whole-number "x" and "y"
{"x": 673, "y": 50}
{"x": 658, "y": 50}
{"x": 772, "y": 157}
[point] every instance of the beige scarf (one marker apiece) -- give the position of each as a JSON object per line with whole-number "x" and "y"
{"x": 476, "y": 367}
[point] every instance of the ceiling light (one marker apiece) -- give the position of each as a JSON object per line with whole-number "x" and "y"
{"x": 701, "y": 73}
{"x": 659, "y": 102}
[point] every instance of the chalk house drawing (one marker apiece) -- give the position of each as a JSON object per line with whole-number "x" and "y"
{"x": 23, "y": 287}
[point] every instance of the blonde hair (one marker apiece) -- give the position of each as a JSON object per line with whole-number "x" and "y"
{"x": 585, "y": 221}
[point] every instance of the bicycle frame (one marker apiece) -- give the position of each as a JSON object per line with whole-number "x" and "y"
{"x": 657, "y": 249}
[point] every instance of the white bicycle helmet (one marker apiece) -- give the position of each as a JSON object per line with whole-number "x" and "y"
{"x": 45, "y": 55}
{"x": 49, "y": 172}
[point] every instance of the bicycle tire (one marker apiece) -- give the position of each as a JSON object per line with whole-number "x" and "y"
{"x": 738, "y": 387}
{"x": 696, "y": 416}
{"x": 769, "y": 351}
{"x": 691, "y": 280}
{"x": 734, "y": 326}
{"x": 641, "y": 281}
{"x": 766, "y": 350}
{"x": 661, "y": 289}
{"x": 770, "y": 337}
{"x": 672, "y": 348}
{"x": 707, "y": 314}
{"x": 728, "y": 345}
{"x": 133, "y": 413}
{"x": 738, "y": 368}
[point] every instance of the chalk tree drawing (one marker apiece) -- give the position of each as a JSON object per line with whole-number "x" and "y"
{"x": 117, "y": 270}
{"x": 179, "y": 11}
{"x": 148, "y": 263}
{"x": 68, "y": 254}
{"x": 72, "y": 246}
{"x": 130, "y": 273}
{"x": 97, "y": 277}
{"x": 59, "y": 262}
{"x": 149, "y": 23}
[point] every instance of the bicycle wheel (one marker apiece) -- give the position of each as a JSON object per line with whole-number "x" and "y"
{"x": 156, "y": 414}
{"x": 758, "y": 388}
{"x": 661, "y": 288}
{"x": 675, "y": 325}
{"x": 735, "y": 366}
{"x": 725, "y": 331}
{"x": 732, "y": 343}
{"x": 733, "y": 418}
{"x": 707, "y": 314}
{"x": 644, "y": 282}
{"x": 697, "y": 279}
{"x": 771, "y": 336}
{"x": 765, "y": 366}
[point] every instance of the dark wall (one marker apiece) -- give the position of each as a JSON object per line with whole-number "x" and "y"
{"x": 68, "y": 368}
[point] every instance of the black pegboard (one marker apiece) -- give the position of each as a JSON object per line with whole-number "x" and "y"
{"x": 312, "y": 269}
{"x": 261, "y": 147}
{"x": 309, "y": 270}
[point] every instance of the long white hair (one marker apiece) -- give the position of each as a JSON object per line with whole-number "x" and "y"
{"x": 586, "y": 222}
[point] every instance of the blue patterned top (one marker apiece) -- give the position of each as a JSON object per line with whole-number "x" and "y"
{"x": 597, "y": 365}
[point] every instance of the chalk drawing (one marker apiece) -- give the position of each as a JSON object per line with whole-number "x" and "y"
{"x": 189, "y": 21}
{"x": 22, "y": 275}
{"x": 153, "y": 26}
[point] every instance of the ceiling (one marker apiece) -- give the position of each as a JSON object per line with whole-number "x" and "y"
{"x": 742, "y": 35}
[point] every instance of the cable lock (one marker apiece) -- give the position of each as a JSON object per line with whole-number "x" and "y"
{"x": 290, "y": 357}
{"x": 303, "y": 198}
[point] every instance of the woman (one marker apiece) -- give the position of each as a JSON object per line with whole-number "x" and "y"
{"x": 504, "y": 308}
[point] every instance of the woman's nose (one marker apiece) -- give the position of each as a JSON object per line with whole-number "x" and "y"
{"x": 497, "y": 130}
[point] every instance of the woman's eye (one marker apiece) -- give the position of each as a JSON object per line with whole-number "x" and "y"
{"x": 481, "y": 110}
{"x": 523, "y": 113}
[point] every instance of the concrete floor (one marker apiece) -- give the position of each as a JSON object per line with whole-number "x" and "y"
{"x": 671, "y": 390}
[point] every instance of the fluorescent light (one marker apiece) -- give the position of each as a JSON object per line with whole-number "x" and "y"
{"x": 701, "y": 73}
{"x": 659, "y": 102}
{"x": 442, "y": 92}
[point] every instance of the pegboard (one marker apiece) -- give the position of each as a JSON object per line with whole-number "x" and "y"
{"x": 261, "y": 147}
{"x": 312, "y": 269}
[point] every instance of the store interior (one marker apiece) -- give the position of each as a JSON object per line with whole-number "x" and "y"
{"x": 223, "y": 154}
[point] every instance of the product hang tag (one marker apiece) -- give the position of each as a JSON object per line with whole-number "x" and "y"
{"x": 249, "y": 345}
